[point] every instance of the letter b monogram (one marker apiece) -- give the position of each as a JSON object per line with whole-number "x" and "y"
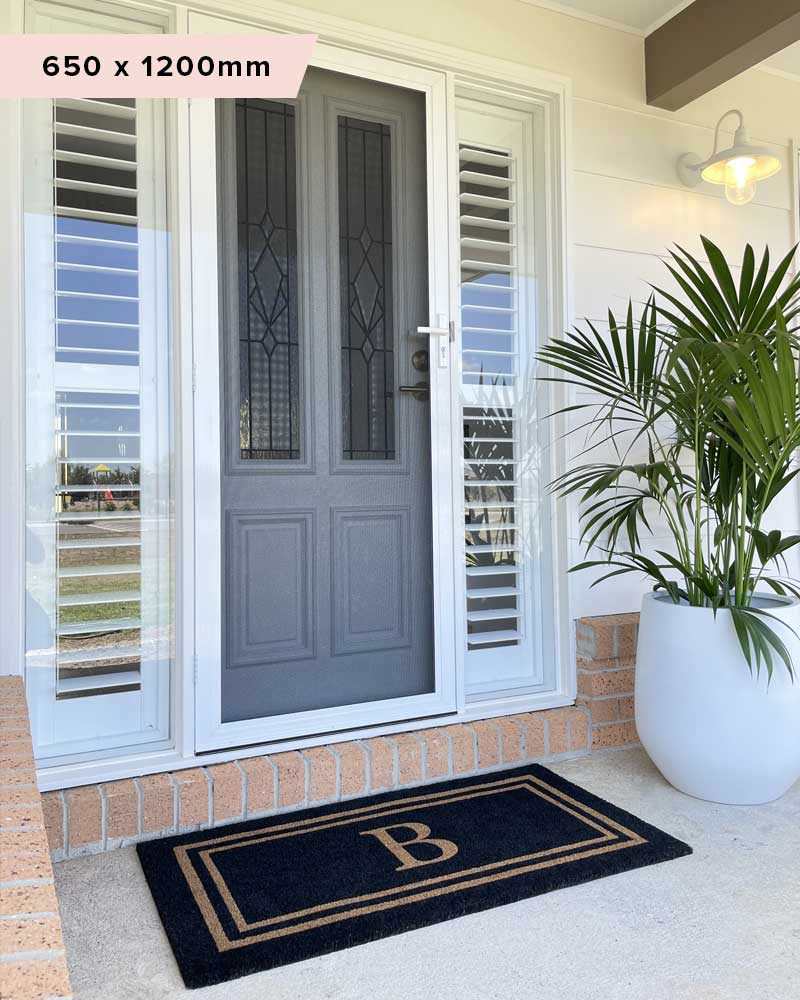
{"x": 447, "y": 849}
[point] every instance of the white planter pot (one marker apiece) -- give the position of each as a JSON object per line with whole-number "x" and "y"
{"x": 712, "y": 728}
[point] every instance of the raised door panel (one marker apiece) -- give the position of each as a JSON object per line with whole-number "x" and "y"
{"x": 370, "y": 580}
{"x": 270, "y": 586}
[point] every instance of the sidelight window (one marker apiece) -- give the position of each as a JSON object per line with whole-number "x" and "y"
{"x": 99, "y": 501}
{"x": 503, "y": 458}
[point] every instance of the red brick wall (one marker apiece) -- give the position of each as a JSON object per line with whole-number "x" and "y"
{"x": 99, "y": 817}
{"x": 606, "y": 653}
{"x": 32, "y": 962}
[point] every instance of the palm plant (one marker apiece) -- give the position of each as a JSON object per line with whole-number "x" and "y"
{"x": 698, "y": 404}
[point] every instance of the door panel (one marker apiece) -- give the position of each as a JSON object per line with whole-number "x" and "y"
{"x": 371, "y": 580}
{"x": 326, "y": 467}
{"x": 269, "y": 624}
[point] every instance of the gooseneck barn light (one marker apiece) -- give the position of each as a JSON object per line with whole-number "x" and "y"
{"x": 739, "y": 168}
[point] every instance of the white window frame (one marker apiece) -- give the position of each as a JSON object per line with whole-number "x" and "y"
{"x": 151, "y": 702}
{"x": 527, "y": 665}
{"x": 462, "y": 69}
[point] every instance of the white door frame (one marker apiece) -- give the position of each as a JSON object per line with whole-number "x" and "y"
{"x": 210, "y": 731}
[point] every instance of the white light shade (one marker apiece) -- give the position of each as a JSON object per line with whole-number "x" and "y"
{"x": 738, "y": 168}
{"x": 758, "y": 163}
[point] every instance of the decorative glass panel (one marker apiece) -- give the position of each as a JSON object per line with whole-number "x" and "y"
{"x": 269, "y": 352}
{"x": 365, "y": 256}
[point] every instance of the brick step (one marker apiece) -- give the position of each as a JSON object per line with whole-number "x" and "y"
{"x": 32, "y": 961}
{"x": 94, "y": 818}
{"x": 606, "y": 653}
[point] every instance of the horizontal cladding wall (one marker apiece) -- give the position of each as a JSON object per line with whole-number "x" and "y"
{"x": 628, "y": 209}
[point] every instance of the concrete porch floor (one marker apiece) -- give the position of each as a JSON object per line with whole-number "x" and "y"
{"x": 723, "y": 924}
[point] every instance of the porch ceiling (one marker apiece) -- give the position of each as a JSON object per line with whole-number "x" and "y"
{"x": 645, "y": 16}
{"x": 640, "y": 16}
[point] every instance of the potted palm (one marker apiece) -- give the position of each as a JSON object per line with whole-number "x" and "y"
{"x": 691, "y": 419}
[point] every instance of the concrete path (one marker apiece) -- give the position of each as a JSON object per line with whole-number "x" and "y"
{"x": 723, "y": 924}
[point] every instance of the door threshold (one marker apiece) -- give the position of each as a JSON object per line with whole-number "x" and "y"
{"x": 336, "y": 735}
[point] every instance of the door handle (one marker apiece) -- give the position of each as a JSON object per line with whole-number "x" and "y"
{"x": 446, "y": 335}
{"x": 448, "y": 331}
{"x": 420, "y": 391}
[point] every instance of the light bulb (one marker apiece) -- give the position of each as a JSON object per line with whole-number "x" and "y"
{"x": 740, "y": 195}
{"x": 739, "y": 189}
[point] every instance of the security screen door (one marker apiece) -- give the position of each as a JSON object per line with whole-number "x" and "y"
{"x": 326, "y": 504}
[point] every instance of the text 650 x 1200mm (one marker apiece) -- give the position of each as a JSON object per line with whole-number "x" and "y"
{"x": 158, "y": 66}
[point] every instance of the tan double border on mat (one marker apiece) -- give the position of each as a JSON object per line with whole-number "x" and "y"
{"x": 371, "y": 902}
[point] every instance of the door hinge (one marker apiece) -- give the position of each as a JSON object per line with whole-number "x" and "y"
{"x": 196, "y": 667}
{"x": 194, "y": 376}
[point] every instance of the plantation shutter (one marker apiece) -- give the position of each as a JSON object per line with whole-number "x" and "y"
{"x": 502, "y": 566}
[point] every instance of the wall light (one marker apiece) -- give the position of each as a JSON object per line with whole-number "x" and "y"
{"x": 738, "y": 168}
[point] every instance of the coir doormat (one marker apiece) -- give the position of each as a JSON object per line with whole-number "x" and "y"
{"x": 260, "y": 894}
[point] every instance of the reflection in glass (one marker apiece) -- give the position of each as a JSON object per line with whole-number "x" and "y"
{"x": 99, "y": 542}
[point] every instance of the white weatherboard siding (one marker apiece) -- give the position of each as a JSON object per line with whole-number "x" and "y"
{"x": 628, "y": 207}
{"x": 626, "y": 203}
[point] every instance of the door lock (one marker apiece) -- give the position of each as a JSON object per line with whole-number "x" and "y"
{"x": 420, "y": 361}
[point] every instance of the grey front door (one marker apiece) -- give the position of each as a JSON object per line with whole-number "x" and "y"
{"x": 326, "y": 465}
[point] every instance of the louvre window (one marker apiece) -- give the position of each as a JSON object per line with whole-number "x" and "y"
{"x": 98, "y": 508}
{"x": 489, "y": 284}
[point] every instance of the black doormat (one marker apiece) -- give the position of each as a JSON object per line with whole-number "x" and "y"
{"x": 267, "y": 892}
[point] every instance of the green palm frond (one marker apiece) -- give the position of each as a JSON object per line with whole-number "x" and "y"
{"x": 705, "y": 384}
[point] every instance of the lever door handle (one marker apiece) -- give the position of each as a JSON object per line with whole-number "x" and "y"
{"x": 420, "y": 391}
{"x": 448, "y": 331}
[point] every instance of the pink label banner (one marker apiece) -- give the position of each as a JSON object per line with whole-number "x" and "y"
{"x": 104, "y": 65}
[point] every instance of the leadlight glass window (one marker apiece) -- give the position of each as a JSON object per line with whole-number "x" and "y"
{"x": 366, "y": 294}
{"x": 269, "y": 350}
